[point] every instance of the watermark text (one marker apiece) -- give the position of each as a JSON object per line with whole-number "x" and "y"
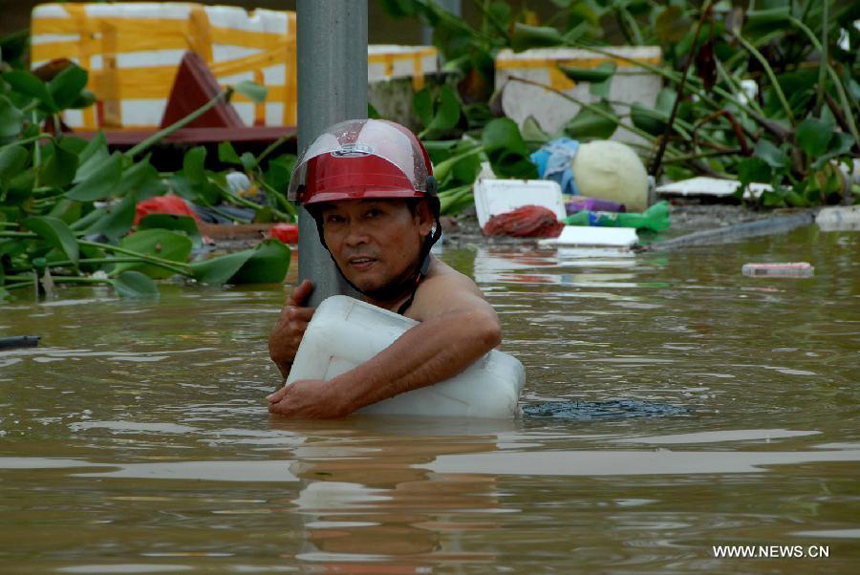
{"x": 771, "y": 551}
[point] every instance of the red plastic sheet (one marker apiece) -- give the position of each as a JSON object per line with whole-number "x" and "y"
{"x": 169, "y": 204}
{"x": 287, "y": 233}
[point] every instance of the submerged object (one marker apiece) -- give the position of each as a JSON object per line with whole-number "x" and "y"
{"x": 346, "y": 332}
{"x": 19, "y": 341}
{"x": 614, "y": 409}
{"x": 789, "y": 270}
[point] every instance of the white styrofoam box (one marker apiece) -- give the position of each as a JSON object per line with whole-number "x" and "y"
{"x": 707, "y": 186}
{"x": 593, "y": 236}
{"x": 495, "y": 197}
{"x": 839, "y": 219}
{"x": 630, "y": 83}
{"x": 346, "y": 332}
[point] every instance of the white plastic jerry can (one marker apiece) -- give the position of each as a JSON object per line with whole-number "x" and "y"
{"x": 346, "y": 332}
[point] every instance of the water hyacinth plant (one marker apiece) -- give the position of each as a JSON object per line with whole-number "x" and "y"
{"x": 759, "y": 91}
{"x": 68, "y": 205}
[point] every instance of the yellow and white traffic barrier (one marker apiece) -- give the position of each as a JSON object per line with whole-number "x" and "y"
{"x": 133, "y": 49}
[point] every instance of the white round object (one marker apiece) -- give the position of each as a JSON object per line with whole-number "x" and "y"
{"x": 611, "y": 170}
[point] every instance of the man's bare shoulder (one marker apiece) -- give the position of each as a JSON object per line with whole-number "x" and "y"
{"x": 445, "y": 290}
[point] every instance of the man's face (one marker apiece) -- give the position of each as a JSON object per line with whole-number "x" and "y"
{"x": 374, "y": 242}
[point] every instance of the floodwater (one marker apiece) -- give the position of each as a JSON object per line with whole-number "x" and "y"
{"x": 136, "y": 439}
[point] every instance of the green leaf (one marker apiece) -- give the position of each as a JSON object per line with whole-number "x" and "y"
{"x": 139, "y": 176}
{"x": 249, "y": 161}
{"x": 503, "y": 134}
{"x": 20, "y": 187}
{"x": 532, "y": 132}
{"x": 268, "y": 263}
{"x": 56, "y": 233}
{"x": 84, "y": 100}
{"x": 13, "y": 159}
{"x": 101, "y": 183}
{"x": 97, "y": 144}
{"x": 507, "y": 151}
{"x": 422, "y": 103}
{"x": 65, "y": 88}
{"x": 447, "y": 114}
{"x": 647, "y": 119}
{"x": 757, "y": 19}
{"x": 60, "y": 169}
{"x": 88, "y": 219}
{"x": 30, "y": 85}
{"x": 11, "y": 119}
{"x": 92, "y": 157}
{"x": 163, "y": 244}
{"x": 753, "y": 170}
{"x": 132, "y": 284}
{"x": 526, "y": 37}
{"x": 185, "y": 224}
{"x": 14, "y": 47}
{"x": 794, "y": 199}
{"x": 813, "y": 136}
{"x": 589, "y": 124}
{"x": 279, "y": 171}
{"x": 67, "y": 210}
{"x": 118, "y": 218}
{"x": 192, "y": 165}
{"x": 854, "y": 88}
{"x": 773, "y": 156}
{"x": 252, "y": 91}
{"x": 227, "y": 154}
{"x": 666, "y": 101}
{"x": 601, "y": 73}
{"x": 219, "y": 270}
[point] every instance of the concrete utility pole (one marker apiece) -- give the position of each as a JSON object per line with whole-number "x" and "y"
{"x": 332, "y": 86}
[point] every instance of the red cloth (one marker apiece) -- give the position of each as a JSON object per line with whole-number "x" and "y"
{"x": 169, "y": 204}
{"x": 287, "y": 233}
{"x": 525, "y": 222}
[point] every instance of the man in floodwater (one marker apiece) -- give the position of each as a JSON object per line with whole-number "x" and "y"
{"x": 368, "y": 185}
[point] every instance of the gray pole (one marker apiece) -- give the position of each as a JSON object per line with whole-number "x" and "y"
{"x": 332, "y": 86}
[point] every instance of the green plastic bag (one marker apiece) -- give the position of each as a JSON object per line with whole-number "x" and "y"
{"x": 655, "y": 218}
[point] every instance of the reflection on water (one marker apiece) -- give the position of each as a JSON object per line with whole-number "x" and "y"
{"x": 135, "y": 439}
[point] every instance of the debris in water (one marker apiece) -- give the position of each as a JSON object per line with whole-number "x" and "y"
{"x": 585, "y": 410}
{"x": 790, "y": 270}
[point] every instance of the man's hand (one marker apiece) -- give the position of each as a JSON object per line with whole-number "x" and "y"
{"x": 287, "y": 334}
{"x": 307, "y": 399}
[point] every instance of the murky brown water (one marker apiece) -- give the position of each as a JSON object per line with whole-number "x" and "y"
{"x": 135, "y": 439}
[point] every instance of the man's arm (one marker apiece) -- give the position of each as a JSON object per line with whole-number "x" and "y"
{"x": 458, "y": 327}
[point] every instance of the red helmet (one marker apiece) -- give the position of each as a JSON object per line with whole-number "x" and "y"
{"x": 358, "y": 159}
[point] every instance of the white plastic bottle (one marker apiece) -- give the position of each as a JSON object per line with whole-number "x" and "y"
{"x": 346, "y": 332}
